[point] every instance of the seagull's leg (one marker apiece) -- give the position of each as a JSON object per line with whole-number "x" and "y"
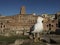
{"x": 34, "y": 35}
{"x": 39, "y": 36}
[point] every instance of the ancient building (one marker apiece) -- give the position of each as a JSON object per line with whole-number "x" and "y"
{"x": 22, "y": 10}
{"x": 23, "y": 22}
{"x": 17, "y": 23}
{"x": 50, "y": 23}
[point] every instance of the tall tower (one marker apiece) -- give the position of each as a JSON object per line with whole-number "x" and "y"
{"x": 22, "y": 11}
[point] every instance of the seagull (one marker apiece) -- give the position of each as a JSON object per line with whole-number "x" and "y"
{"x": 37, "y": 28}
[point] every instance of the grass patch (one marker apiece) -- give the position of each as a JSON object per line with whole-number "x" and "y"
{"x": 11, "y": 39}
{"x": 33, "y": 43}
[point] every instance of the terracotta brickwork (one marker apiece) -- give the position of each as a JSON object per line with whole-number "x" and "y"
{"x": 25, "y": 21}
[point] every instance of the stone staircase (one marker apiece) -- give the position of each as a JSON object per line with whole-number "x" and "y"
{"x": 56, "y": 38}
{"x": 52, "y": 38}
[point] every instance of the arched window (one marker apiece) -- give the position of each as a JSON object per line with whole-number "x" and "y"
{"x": 1, "y": 23}
{"x": 1, "y": 26}
{"x": 4, "y": 26}
{"x": 49, "y": 25}
{"x": 52, "y": 25}
{"x": 49, "y": 28}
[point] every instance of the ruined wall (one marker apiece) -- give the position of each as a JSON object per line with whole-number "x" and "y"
{"x": 17, "y": 23}
{"x": 49, "y": 23}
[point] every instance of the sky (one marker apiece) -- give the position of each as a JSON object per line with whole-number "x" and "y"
{"x": 12, "y": 7}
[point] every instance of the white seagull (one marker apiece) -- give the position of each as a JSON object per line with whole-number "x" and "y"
{"x": 38, "y": 27}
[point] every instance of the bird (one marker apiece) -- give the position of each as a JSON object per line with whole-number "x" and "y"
{"x": 37, "y": 27}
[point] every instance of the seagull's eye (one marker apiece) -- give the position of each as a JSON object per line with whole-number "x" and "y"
{"x": 42, "y": 21}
